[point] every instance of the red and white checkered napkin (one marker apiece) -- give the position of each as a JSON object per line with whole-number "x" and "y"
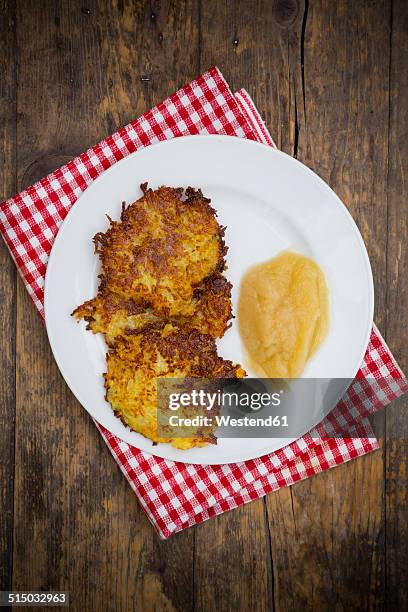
{"x": 178, "y": 495}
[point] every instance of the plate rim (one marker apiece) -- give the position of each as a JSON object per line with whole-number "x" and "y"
{"x": 235, "y": 140}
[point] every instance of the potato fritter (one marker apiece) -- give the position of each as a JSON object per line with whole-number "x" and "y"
{"x": 112, "y": 315}
{"x": 162, "y": 302}
{"x": 162, "y": 248}
{"x": 138, "y": 360}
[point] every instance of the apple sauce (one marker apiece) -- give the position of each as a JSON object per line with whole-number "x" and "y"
{"x": 283, "y": 314}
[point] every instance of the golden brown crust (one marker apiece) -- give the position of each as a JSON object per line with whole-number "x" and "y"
{"x": 165, "y": 244}
{"x": 114, "y": 316}
{"x": 162, "y": 302}
{"x": 213, "y": 311}
{"x": 135, "y": 363}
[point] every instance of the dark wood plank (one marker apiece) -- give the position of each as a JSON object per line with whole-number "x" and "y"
{"x": 7, "y": 293}
{"x": 397, "y": 313}
{"x": 78, "y": 526}
{"x": 327, "y": 540}
{"x": 327, "y": 533}
{"x": 232, "y": 564}
{"x": 254, "y": 44}
{"x": 80, "y": 70}
{"x": 249, "y": 42}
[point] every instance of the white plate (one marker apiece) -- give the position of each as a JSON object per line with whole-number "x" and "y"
{"x": 269, "y": 202}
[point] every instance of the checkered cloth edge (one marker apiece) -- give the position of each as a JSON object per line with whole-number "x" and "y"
{"x": 178, "y": 495}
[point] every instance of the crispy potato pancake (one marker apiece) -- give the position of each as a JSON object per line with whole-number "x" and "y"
{"x": 165, "y": 244}
{"x": 138, "y": 360}
{"x": 162, "y": 302}
{"x": 114, "y": 316}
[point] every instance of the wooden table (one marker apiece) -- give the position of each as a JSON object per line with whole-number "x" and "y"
{"x": 330, "y": 78}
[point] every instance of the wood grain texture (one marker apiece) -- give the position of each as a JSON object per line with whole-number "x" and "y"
{"x": 330, "y": 79}
{"x": 332, "y": 552}
{"x": 77, "y": 524}
{"x": 256, "y": 45}
{"x": 7, "y": 295}
{"x": 253, "y": 44}
{"x": 232, "y": 562}
{"x": 397, "y": 313}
